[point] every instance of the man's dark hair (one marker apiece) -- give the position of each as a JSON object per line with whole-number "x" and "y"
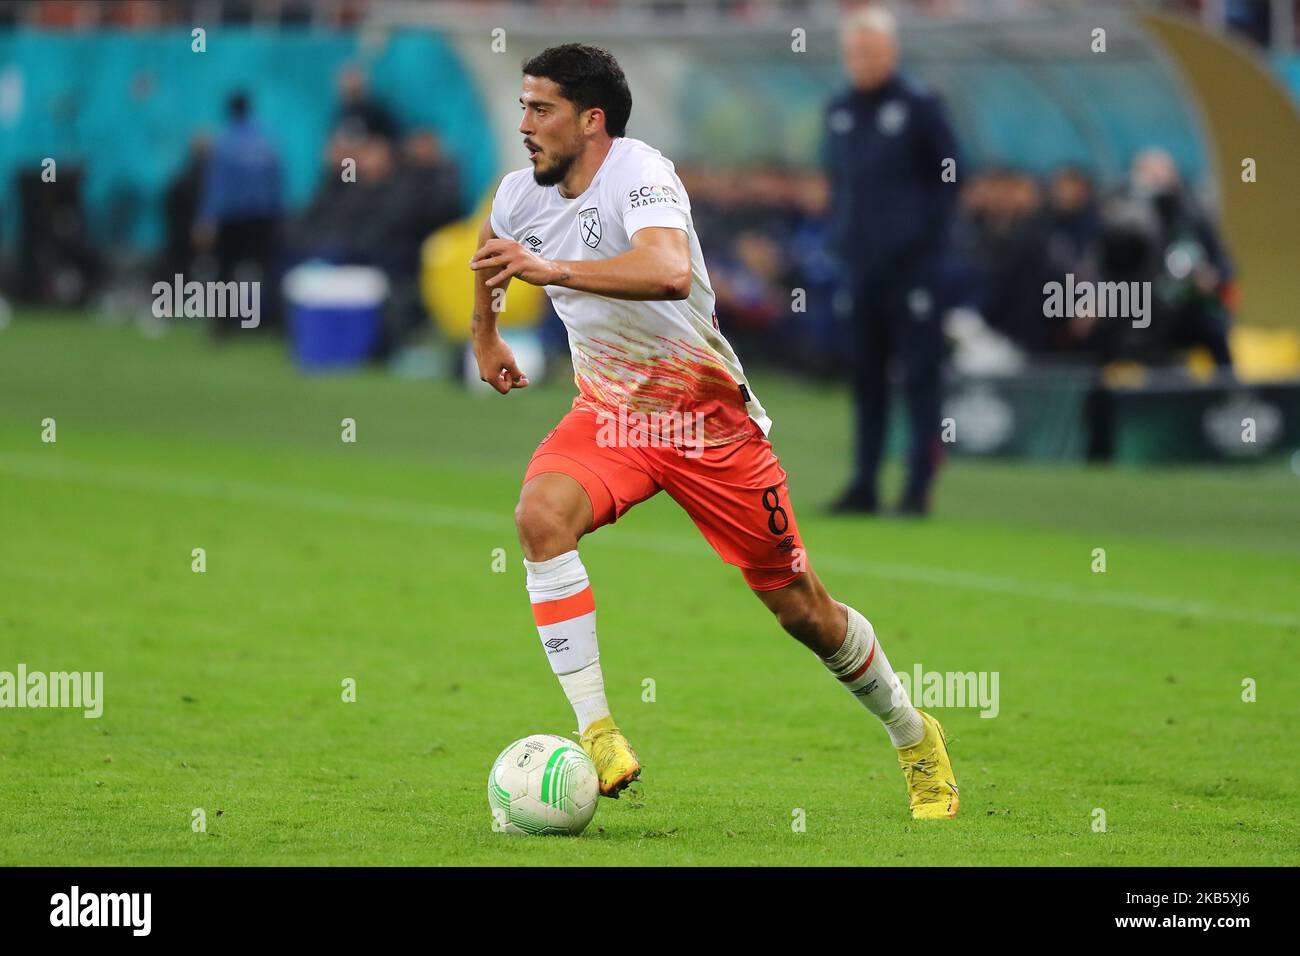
{"x": 238, "y": 105}
{"x": 588, "y": 77}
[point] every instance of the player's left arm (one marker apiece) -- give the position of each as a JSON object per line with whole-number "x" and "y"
{"x": 658, "y": 266}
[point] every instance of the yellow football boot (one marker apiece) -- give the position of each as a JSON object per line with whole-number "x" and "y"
{"x": 615, "y": 760}
{"x": 931, "y": 784}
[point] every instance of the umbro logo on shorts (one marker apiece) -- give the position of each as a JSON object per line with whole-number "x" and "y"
{"x": 534, "y": 242}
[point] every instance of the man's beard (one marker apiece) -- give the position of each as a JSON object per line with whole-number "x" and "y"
{"x": 556, "y": 173}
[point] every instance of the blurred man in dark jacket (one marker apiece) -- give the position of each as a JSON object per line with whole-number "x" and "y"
{"x": 240, "y": 206}
{"x": 1194, "y": 283}
{"x": 361, "y": 115}
{"x": 181, "y": 206}
{"x": 891, "y": 160}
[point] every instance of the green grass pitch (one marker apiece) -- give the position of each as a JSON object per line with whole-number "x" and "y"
{"x": 373, "y": 561}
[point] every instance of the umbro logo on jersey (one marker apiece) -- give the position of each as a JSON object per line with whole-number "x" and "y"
{"x": 534, "y": 242}
{"x": 589, "y": 226}
{"x": 555, "y": 643}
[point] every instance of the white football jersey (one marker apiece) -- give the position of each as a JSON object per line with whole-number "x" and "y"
{"x": 635, "y": 356}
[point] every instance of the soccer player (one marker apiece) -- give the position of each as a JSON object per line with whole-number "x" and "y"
{"x": 601, "y": 221}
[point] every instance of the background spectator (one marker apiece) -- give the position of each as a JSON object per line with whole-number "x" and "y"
{"x": 240, "y": 206}
{"x": 359, "y": 115}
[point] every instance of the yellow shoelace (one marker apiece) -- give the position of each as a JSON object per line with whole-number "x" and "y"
{"x": 926, "y": 769}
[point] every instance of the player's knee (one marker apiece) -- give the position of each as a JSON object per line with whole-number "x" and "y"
{"x": 544, "y": 528}
{"x": 536, "y": 524}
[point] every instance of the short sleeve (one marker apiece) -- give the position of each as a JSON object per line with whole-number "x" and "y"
{"x": 652, "y": 196}
{"x": 500, "y": 215}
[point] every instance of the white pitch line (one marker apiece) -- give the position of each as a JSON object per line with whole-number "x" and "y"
{"x": 194, "y": 486}
{"x": 389, "y": 509}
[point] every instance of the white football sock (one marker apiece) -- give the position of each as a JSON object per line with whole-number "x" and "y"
{"x": 565, "y": 611}
{"x": 586, "y": 692}
{"x": 862, "y": 667}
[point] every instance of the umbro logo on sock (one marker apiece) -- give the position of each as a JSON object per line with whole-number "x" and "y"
{"x": 555, "y": 644}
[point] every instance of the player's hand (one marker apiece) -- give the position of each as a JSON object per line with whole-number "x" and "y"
{"x": 496, "y": 363}
{"x": 512, "y": 259}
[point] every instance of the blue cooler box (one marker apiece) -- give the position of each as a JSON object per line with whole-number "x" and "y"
{"x": 335, "y": 314}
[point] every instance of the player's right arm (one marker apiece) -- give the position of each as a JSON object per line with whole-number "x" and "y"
{"x": 496, "y": 363}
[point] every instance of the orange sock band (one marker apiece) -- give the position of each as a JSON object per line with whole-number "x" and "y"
{"x": 565, "y": 609}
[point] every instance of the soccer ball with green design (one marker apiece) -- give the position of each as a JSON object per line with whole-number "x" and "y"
{"x": 542, "y": 785}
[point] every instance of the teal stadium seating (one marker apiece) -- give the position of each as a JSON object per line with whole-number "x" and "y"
{"x": 127, "y": 103}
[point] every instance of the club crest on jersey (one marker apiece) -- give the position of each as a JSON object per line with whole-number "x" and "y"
{"x": 892, "y": 117}
{"x": 589, "y": 226}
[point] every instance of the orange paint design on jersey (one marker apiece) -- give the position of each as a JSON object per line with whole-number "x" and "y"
{"x": 661, "y": 375}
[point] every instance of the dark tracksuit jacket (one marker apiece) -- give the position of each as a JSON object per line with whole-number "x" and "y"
{"x": 891, "y": 212}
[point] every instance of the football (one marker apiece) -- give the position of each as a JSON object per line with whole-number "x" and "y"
{"x": 544, "y": 785}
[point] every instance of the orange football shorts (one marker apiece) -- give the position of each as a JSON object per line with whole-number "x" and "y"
{"x": 735, "y": 493}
